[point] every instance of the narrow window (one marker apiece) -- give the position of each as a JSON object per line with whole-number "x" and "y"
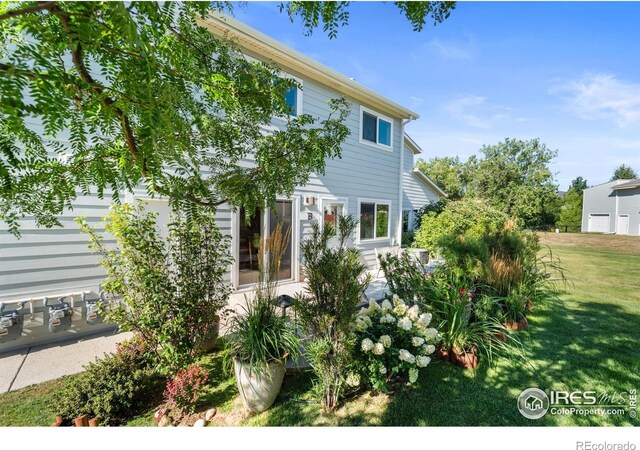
{"x": 291, "y": 98}
{"x": 367, "y": 219}
{"x": 384, "y": 132}
{"x": 369, "y": 127}
{"x": 382, "y": 221}
{"x": 405, "y": 220}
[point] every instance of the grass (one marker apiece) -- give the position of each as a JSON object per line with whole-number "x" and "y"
{"x": 586, "y": 340}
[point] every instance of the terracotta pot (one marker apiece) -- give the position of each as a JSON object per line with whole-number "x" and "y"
{"x": 501, "y": 336}
{"x": 441, "y": 353}
{"x": 523, "y": 324}
{"x": 468, "y": 359}
{"x": 258, "y": 388}
{"x": 511, "y": 325}
{"x": 529, "y": 305}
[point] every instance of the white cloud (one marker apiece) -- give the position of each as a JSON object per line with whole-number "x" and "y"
{"x": 601, "y": 96}
{"x": 476, "y": 112}
{"x": 452, "y": 50}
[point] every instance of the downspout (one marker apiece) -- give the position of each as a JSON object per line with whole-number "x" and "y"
{"x": 399, "y": 228}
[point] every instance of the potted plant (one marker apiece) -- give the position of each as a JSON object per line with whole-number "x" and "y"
{"x": 515, "y": 309}
{"x": 261, "y": 338}
{"x": 260, "y": 341}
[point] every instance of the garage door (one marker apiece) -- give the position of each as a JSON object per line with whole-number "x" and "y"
{"x": 599, "y": 223}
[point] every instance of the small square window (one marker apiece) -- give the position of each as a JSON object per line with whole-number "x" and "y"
{"x": 376, "y": 129}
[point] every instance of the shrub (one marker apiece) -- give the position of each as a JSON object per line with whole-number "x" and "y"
{"x": 112, "y": 388}
{"x": 435, "y": 208}
{"x": 183, "y": 390}
{"x": 468, "y": 217}
{"x": 404, "y": 277}
{"x": 336, "y": 283}
{"x": 173, "y": 289}
{"x": 393, "y": 340}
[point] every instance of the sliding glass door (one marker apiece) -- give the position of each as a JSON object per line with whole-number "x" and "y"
{"x": 258, "y": 228}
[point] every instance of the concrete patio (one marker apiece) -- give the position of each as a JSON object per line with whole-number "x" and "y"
{"x": 42, "y": 363}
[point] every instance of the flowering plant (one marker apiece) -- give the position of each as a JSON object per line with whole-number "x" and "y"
{"x": 394, "y": 339}
{"x": 184, "y": 389}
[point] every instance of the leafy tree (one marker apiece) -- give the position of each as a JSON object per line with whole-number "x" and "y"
{"x": 514, "y": 176}
{"x": 570, "y": 218}
{"x": 579, "y": 185}
{"x": 132, "y": 93}
{"x": 447, "y": 172}
{"x": 624, "y": 172}
{"x": 332, "y": 15}
{"x": 129, "y": 94}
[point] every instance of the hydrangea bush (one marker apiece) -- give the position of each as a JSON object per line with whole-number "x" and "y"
{"x": 394, "y": 340}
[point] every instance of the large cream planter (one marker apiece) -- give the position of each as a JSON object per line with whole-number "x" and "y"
{"x": 258, "y": 389}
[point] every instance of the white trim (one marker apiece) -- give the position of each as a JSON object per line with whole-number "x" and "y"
{"x": 378, "y": 116}
{"x": 413, "y": 146}
{"x": 266, "y": 48}
{"x": 376, "y": 202}
{"x": 409, "y": 221}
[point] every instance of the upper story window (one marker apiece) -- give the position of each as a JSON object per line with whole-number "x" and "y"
{"x": 293, "y": 97}
{"x": 376, "y": 129}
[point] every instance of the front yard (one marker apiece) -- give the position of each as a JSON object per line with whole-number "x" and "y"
{"x": 586, "y": 341}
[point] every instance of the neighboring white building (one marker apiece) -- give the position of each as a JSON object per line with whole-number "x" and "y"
{"x": 612, "y": 207}
{"x": 373, "y": 181}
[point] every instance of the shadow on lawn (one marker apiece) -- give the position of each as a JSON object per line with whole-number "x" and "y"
{"x": 593, "y": 346}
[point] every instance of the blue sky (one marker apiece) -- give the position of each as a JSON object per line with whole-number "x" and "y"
{"x": 567, "y": 73}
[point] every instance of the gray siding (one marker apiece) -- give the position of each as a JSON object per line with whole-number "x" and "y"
{"x": 415, "y": 193}
{"x": 602, "y": 199}
{"x": 57, "y": 261}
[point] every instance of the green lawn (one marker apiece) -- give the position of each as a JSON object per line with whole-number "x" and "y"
{"x": 588, "y": 340}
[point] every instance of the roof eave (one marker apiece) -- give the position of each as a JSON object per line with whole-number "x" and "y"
{"x": 429, "y": 182}
{"x": 262, "y": 46}
{"x": 413, "y": 146}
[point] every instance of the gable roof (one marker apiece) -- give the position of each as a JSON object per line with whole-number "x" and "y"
{"x": 429, "y": 182}
{"x": 631, "y": 184}
{"x": 412, "y": 145}
{"x": 261, "y": 46}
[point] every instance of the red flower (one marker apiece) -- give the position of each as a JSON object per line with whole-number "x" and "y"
{"x": 462, "y": 291}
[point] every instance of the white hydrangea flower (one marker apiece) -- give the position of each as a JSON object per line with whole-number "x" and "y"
{"x": 417, "y": 341}
{"x": 386, "y": 305}
{"x": 429, "y": 349}
{"x": 395, "y": 298}
{"x": 373, "y": 305}
{"x": 430, "y": 334}
{"x": 413, "y": 375}
{"x": 424, "y": 320}
{"x": 400, "y": 308}
{"x": 422, "y": 361}
{"x": 382, "y": 370}
{"x": 385, "y": 340}
{"x": 361, "y": 324}
{"x": 405, "y": 355}
{"x": 366, "y": 345}
{"x": 353, "y": 380}
{"x": 378, "y": 349}
{"x": 387, "y": 318}
{"x": 413, "y": 312}
{"x": 405, "y": 323}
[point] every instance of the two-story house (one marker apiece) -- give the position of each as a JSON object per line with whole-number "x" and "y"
{"x": 374, "y": 181}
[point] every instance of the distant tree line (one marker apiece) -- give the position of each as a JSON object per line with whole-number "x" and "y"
{"x": 514, "y": 177}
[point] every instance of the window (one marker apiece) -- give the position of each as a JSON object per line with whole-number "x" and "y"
{"x": 406, "y": 214}
{"x": 291, "y": 98}
{"x": 331, "y": 211}
{"x": 376, "y": 129}
{"x": 374, "y": 220}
